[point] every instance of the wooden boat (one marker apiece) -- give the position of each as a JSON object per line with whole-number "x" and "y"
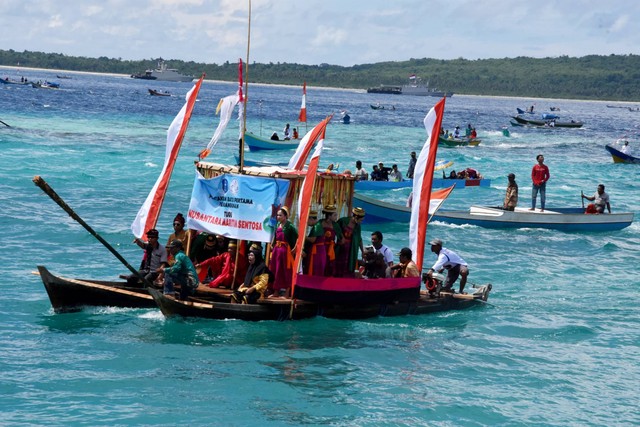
{"x": 381, "y": 107}
{"x": 458, "y": 142}
{"x": 548, "y": 123}
{"x": 437, "y": 183}
{"x": 9, "y": 81}
{"x": 69, "y": 295}
{"x": 45, "y": 85}
{"x": 564, "y": 219}
{"x": 154, "y": 92}
{"x": 63, "y": 76}
{"x": 286, "y": 309}
{"x": 256, "y": 143}
{"x": 620, "y": 157}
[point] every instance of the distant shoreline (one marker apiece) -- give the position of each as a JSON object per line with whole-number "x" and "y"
{"x": 128, "y": 76}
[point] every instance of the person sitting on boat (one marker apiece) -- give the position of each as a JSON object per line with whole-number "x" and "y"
{"x": 473, "y": 134}
{"x": 281, "y": 263}
{"x": 155, "y": 257}
{"x": 295, "y": 133}
{"x": 329, "y": 168}
{"x": 275, "y": 137}
{"x": 450, "y": 261}
{"x": 374, "y": 265}
{"x": 222, "y": 266}
{"x": 376, "y": 242}
{"x": 182, "y": 272}
{"x": 456, "y": 132}
{"x": 446, "y": 134}
{"x": 472, "y": 173}
{"x": 361, "y": 174}
{"x": 256, "y": 281}
{"x": 462, "y": 174}
{"x": 511, "y": 197}
{"x": 351, "y": 242}
{"x": 287, "y": 132}
{"x": 625, "y": 148}
{"x": 180, "y": 233}
{"x": 315, "y": 253}
{"x": 395, "y": 175}
{"x": 376, "y": 175}
{"x": 600, "y": 200}
{"x": 406, "y": 267}
{"x": 202, "y": 251}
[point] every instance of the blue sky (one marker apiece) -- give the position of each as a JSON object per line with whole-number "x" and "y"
{"x": 345, "y": 32}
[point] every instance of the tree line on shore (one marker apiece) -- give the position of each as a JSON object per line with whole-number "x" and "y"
{"x": 593, "y": 77}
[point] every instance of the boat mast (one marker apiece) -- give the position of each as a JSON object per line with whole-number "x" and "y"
{"x": 246, "y": 95}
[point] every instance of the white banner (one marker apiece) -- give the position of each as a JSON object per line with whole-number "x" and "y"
{"x": 236, "y": 206}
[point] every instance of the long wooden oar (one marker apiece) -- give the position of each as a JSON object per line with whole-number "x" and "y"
{"x": 5, "y": 124}
{"x": 54, "y": 196}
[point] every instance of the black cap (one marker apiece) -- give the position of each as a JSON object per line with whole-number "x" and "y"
{"x": 175, "y": 243}
{"x": 153, "y": 233}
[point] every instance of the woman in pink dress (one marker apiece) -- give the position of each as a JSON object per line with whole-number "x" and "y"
{"x": 281, "y": 263}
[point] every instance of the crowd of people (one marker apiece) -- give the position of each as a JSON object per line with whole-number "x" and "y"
{"x": 333, "y": 247}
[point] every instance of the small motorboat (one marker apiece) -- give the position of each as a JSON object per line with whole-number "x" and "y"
{"x": 154, "y": 92}
{"x": 620, "y": 157}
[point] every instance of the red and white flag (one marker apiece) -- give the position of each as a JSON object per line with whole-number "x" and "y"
{"x": 412, "y": 77}
{"x": 147, "y": 216}
{"x": 299, "y": 158}
{"x": 304, "y": 206}
{"x": 422, "y": 181}
{"x": 302, "y": 117}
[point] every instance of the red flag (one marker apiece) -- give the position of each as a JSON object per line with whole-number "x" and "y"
{"x": 422, "y": 181}
{"x": 240, "y": 80}
{"x": 302, "y": 117}
{"x": 304, "y": 206}
{"x": 147, "y": 216}
{"x": 299, "y": 158}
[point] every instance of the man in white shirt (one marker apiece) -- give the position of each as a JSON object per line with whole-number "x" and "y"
{"x": 450, "y": 261}
{"x": 376, "y": 241}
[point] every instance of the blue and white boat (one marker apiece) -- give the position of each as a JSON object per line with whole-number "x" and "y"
{"x": 620, "y": 157}
{"x": 257, "y": 143}
{"x": 563, "y": 219}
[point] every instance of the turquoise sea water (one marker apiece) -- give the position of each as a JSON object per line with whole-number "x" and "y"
{"x": 557, "y": 344}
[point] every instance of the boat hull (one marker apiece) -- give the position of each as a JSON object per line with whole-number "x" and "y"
{"x": 620, "y": 157}
{"x": 459, "y": 142}
{"x": 437, "y": 183}
{"x": 256, "y": 143}
{"x": 282, "y": 309}
{"x": 543, "y": 123}
{"x": 563, "y": 219}
{"x": 69, "y": 295}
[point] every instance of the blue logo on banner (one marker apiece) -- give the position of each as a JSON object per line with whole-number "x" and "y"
{"x": 225, "y": 185}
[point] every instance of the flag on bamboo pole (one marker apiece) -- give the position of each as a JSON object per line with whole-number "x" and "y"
{"x": 149, "y": 212}
{"x": 422, "y": 181}
{"x": 304, "y": 206}
{"x": 299, "y": 158}
{"x": 302, "y": 117}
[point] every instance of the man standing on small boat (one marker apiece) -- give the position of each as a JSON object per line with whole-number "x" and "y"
{"x": 539, "y": 176}
{"x": 450, "y": 261}
{"x": 412, "y": 165}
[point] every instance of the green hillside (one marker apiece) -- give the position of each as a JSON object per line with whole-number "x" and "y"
{"x": 611, "y": 78}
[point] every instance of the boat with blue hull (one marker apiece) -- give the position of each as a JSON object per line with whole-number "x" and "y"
{"x": 620, "y": 157}
{"x": 257, "y": 143}
{"x": 437, "y": 183}
{"x": 563, "y": 219}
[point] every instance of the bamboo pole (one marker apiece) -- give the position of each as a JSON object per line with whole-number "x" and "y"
{"x": 40, "y": 182}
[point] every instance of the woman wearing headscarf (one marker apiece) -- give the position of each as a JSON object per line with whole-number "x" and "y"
{"x": 347, "y": 256}
{"x": 256, "y": 281}
{"x": 332, "y": 233}
{"x": 281, "y": 263}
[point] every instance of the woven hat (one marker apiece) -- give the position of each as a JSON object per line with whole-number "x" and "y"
{"x": 313, "y": 212}
{"x": 358, "y": 212}
{"x": 286, "y": 210}
{"x": 435, "y": 242}
{"x": 329, "y": 209}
